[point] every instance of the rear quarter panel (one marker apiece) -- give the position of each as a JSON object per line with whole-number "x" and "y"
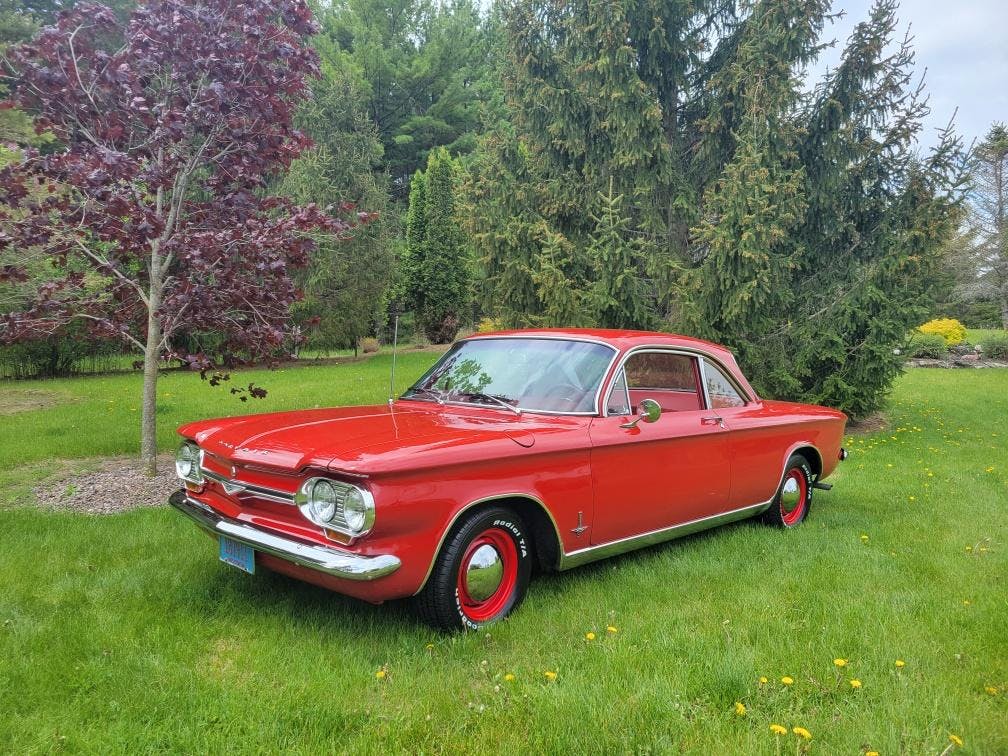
{"x": 764, "y": 434}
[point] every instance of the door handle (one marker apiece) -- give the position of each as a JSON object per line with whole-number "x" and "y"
{"x": 712, "y": 421}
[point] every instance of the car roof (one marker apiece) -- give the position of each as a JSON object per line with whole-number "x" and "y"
{"x": 619, "y": 338}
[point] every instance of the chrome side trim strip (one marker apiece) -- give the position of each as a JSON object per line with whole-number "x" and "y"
{"x": 631, "y": 543}
{"x": 335, "y": 562}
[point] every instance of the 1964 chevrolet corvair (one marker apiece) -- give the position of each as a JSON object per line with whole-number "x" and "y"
{"x": 516, "y": 450}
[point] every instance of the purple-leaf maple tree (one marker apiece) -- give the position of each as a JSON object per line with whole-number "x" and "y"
{"x": 154, "y": 211}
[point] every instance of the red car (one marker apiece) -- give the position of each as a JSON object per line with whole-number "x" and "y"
{"x": 516, "y": 450}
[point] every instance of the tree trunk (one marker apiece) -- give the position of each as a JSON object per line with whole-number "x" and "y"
{"x": 1004, "y": 310}
{"x": 148, "y": 418}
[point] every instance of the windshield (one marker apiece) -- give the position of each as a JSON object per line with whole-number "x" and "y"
{"x": 549, "y": 375}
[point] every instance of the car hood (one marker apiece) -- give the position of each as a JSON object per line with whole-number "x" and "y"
{"x": 366, "y": 440}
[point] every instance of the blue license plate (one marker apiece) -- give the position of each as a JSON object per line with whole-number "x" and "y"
{"x": 237, "y": 555}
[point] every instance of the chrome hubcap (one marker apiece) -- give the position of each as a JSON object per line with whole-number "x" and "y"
{"x": 483, "y": 573}
{"x": 790, "y": 494}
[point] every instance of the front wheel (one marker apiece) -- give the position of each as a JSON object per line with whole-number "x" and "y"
{"x": 481, "y": 573}
{"x": 791, "y": 505}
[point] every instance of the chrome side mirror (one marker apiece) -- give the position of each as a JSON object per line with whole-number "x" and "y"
{"x": 649, "y": 411}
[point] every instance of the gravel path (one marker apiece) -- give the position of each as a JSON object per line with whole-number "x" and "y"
{"x": 117, "y": 485}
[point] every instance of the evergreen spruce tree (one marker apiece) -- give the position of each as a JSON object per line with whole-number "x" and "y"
{"x": 800, "y": 228}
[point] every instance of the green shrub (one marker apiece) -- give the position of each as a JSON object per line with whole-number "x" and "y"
{"x": 995, "y": 346}
{"x": 949, "y": 329}
{"x": 929, "y": 345}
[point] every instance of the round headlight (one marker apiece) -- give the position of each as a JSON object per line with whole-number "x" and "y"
{"x": 336, "y": 506}
{"x": 323, "y": 501}
{"x": 355, "y": 510}
{"x": 187, "y": 463}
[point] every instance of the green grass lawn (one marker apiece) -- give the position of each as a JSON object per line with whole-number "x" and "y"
{"x": 124, "y": 633}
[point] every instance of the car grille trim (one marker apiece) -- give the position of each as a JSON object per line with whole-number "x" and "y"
{"x": 236, "y": 488}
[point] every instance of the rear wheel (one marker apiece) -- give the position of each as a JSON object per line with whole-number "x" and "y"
{"x": 481, "y": 573}
{"x": 791, "y": 505}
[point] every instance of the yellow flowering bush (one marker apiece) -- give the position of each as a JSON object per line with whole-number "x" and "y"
{"x": 486, "y": 325}
{"x": 949, "y": 329}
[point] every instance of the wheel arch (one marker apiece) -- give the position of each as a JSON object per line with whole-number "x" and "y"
{"x": 810, "y": 452}
{"x": 543, "y": 529}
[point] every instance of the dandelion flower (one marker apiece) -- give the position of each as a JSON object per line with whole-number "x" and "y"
{"x": 989, "y": 469}
{"x": 776, "y": 729}
{"x": 956, "y": 740}
{"x": 855, "y": 683}
{"x": 991, "y": 690}
{"x": 864, "y": 538}
{"x": 612, "y": 630}
{"x": 430, "y": 647}
{"x": 801, "y": 732}
{"x": 509, "y": 677}
{"x": 740, "y": 709}
{"x": 763, "y": 681}
{"x": 590, "y": 636}
{"x": 381, "y": 674}
{"x": 550, "y": 675}
{"x": 840, "y": 662}
{"x": 871, "y": 753}
{"x": 900, "y": 664}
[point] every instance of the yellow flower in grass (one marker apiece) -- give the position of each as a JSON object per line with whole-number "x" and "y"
{"x": 509, "y": 677}
{"x": 864, "y": 538}
{"x": 900, "y": 664}
{"x": 840, "y": 662}
{"x": 550, "y": 675}
{"x": 612, "y": 630}
{"x": 381, "y": 674}
{"x": 776, "y": 729}
{"x": 763, "y": 681}
{"x": 801, "y": 732}
{"x": 871, "y": 753}
{"x": 855, "y": 684}
{"x": 787, "y": 680}
{"x": 740, "y": 709}
{"x": 955, "y": 740}
{"x": 991, "y": 690}
{"x": 590, "y": 636}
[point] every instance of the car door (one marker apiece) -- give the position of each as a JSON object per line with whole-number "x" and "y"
{"x": 656, "y": 475}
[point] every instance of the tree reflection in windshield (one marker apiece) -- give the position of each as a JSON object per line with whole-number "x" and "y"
{"x": 549, "y": 375}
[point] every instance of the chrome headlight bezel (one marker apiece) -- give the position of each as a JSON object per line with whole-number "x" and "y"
{"x": 189, "y": 463}
{"x": 313, "y": 499}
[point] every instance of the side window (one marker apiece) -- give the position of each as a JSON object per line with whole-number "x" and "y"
{"x": 670, "y": 379}
{"x": 618, "y": 403}
{"x": 721, "y": 391}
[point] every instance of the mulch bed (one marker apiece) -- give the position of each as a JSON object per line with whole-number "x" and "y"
{"x": 117, "y": 485}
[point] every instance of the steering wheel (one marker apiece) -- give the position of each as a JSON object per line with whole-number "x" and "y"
{"x": 564, "y": 394}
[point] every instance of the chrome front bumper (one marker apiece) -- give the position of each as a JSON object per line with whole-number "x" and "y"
{"x": 335, "y": 562}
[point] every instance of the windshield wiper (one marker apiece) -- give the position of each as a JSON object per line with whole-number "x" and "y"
{"x": 496, "y": 399}
{"x": 439, "y": 396}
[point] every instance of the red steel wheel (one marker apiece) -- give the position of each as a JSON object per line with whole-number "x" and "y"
{"x": 792, "y": 497}
{"x": 481, "y": 573}
{"x": 487, "y": 575}
{"x": 791, "y": 505}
